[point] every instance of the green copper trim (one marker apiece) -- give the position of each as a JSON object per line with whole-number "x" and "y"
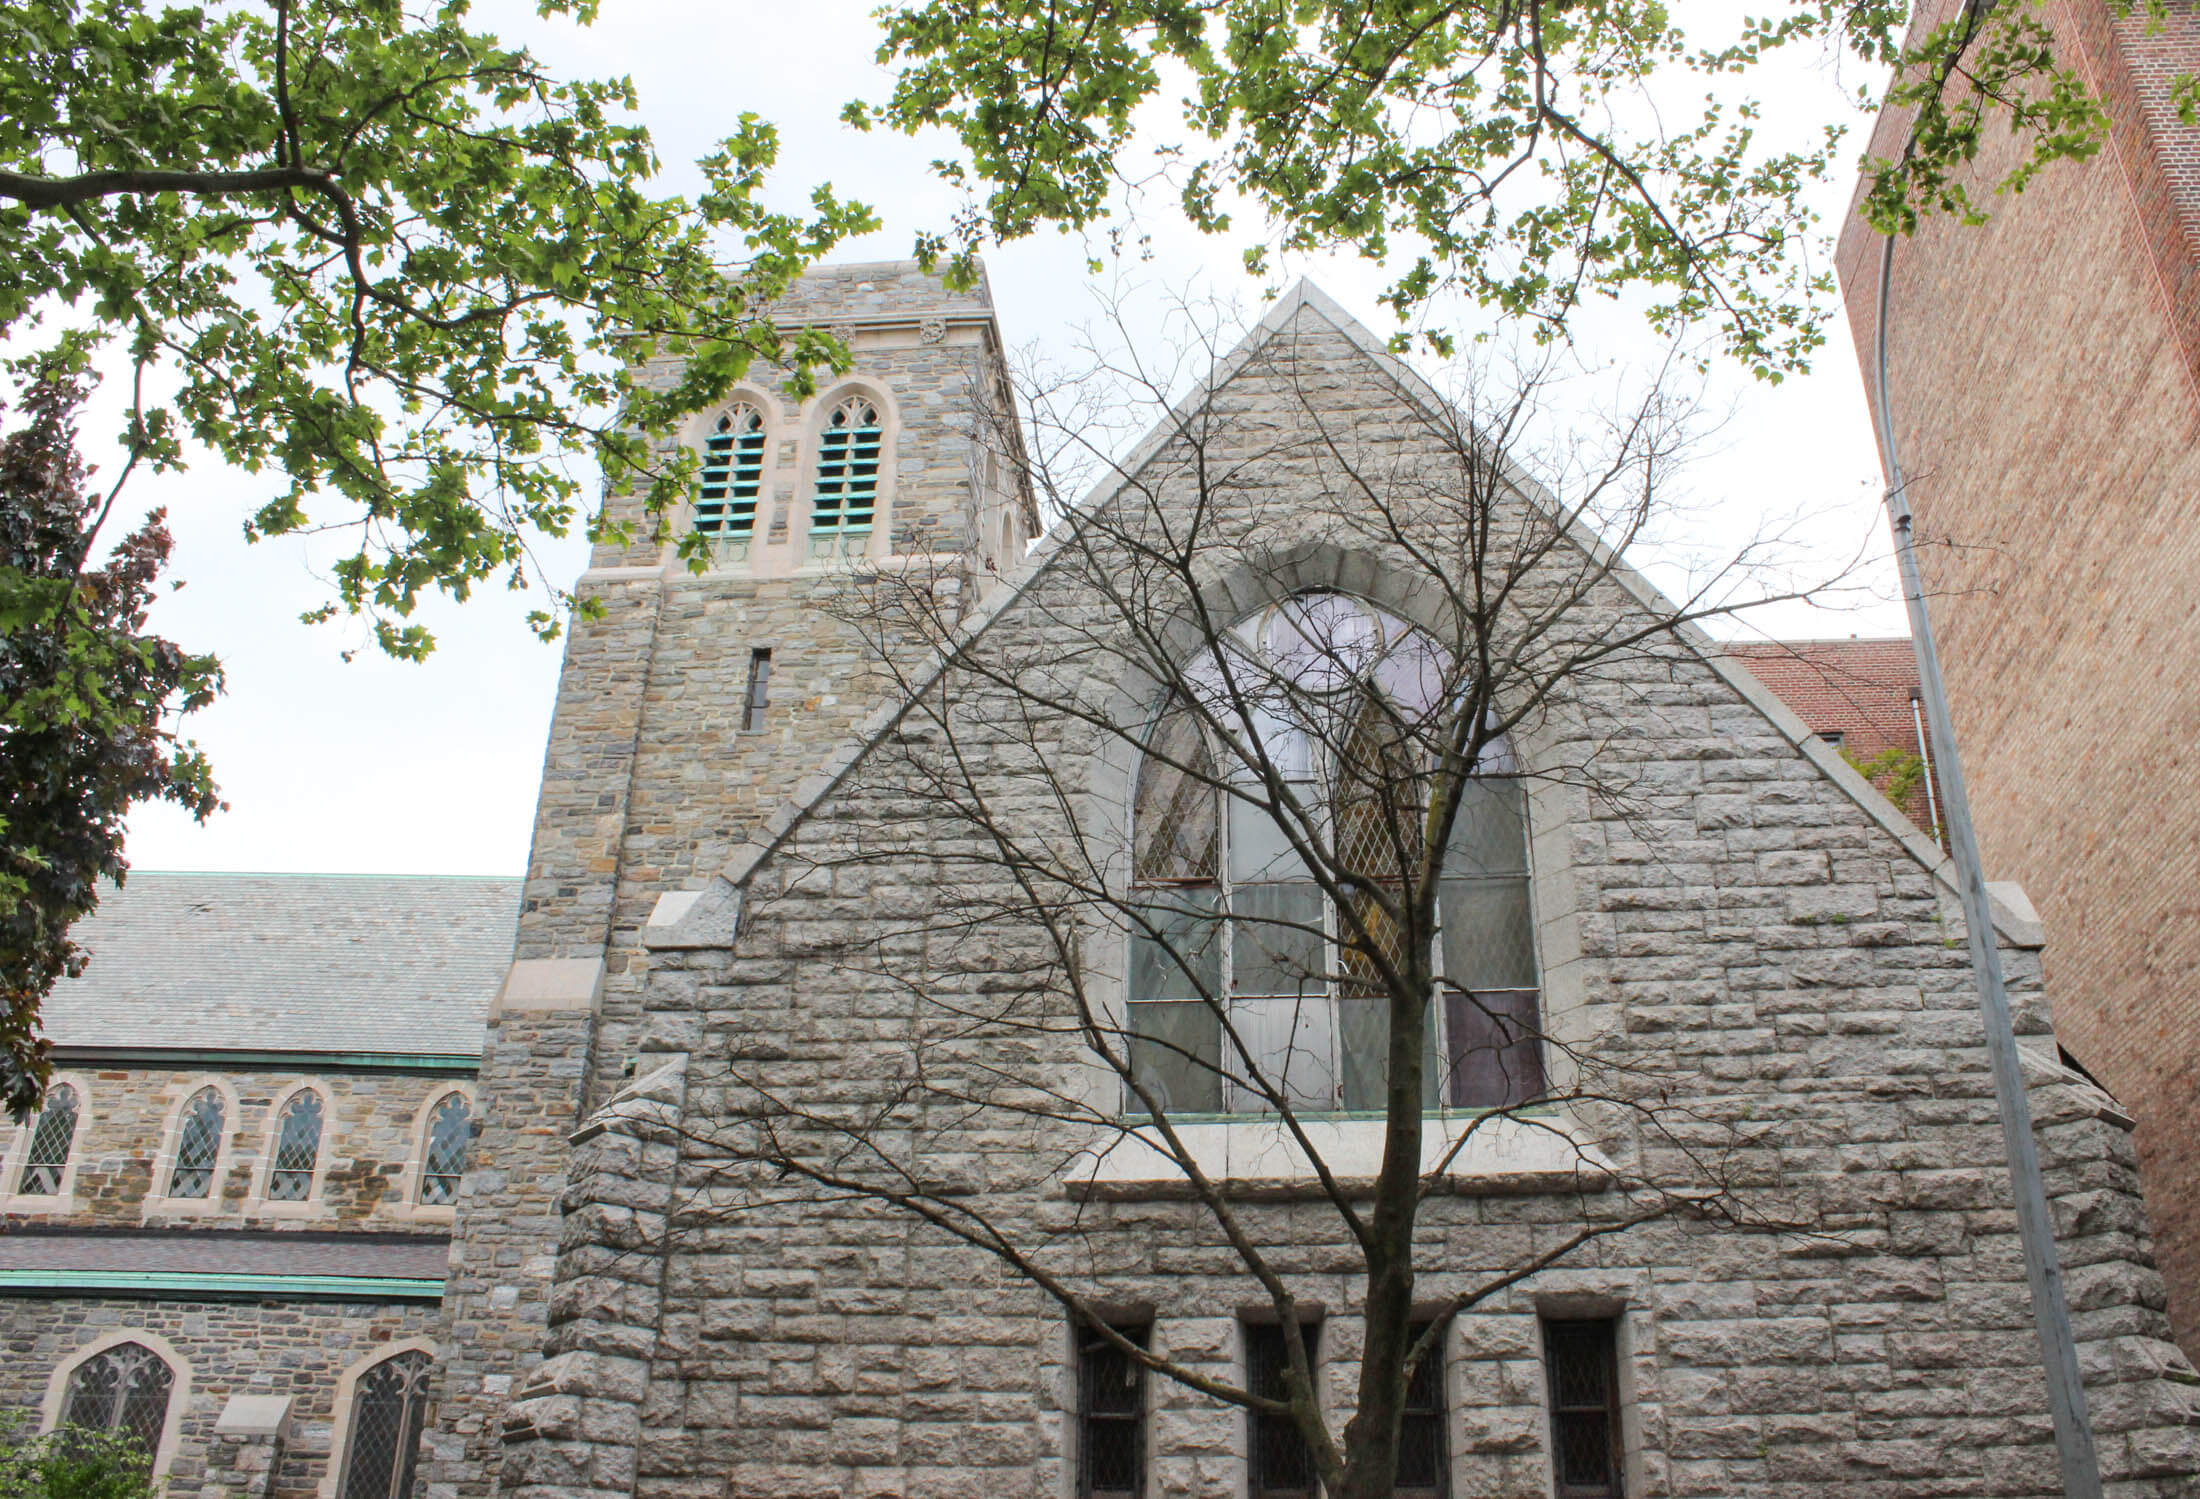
{"x": 197, "y": 1283}
{"x": 459, "y": 1064}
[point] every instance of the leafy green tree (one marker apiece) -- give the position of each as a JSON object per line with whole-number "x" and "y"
{"x": 70, "y": 1464}
{"x": 387, "y": 257}
{"x": 87, "y": 702}
{"x": 1506, "y": 149}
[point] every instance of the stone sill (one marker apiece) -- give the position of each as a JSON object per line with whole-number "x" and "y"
{"x": 1542, "y": 1151}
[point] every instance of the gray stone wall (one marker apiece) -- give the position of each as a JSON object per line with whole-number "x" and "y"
{"x": 372, "y": 1136}
{"x": 1743, "y": 927}
{"x": 651, "y": 781}
{"x": 297, "y": 1349}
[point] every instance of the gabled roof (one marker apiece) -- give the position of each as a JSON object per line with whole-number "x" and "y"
{"x": 289, "y": 962}
{"x": 707, "y": 918}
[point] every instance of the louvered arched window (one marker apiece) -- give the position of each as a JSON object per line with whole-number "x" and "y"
{"x": 733, "y": 478}
{"x": 443, "y": 1157}
{"x": 1246, "y": 975}
{"x": 51, "y": 1140}
{"x": 122, "y": 1389}
{"x": 388, "y": 1407}
{"x": 844, "y": 498}
{"x": 198, "y": 1145}
{"x": 297, "y": 1148}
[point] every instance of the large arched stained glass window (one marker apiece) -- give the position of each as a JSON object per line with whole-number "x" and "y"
{"x": 443, "y": 1162}
{"x": 51, "y": 1139}
{"x": 1310, "y": 734}
{"x": 297, "y": 1148}
{"x": 389, "y": 1405}
{"x": 732, "y": 478}
{"x": 198, "y": 1145}
{"x": 844, "y": 498}
{"x": 122, "y": 1389}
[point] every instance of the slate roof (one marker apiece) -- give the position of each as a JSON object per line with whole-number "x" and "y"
{"x": 225, "y": 1252}
{"x": 290, "y": 962}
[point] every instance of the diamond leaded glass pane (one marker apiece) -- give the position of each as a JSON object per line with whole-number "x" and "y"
{"x": 1176, "y": 815}
{"x": 124, "y": 1389}
{"x": 1111, "y": 1393}
{"x": 297, "y": 1148}
{"x": 49, "y": 1152}
{"x": 198, "y": 1146}
{"x": 1581, "y": 1363}
{"x": 1282, "y": 1463}
{"x": 388, "y": 1408}
{"x": 449, "y": 1133}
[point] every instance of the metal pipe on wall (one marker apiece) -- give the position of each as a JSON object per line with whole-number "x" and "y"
{"x": 2081, "y": 1469}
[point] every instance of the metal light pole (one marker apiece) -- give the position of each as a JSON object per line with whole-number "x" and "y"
{"x": 2081, "y": 1469}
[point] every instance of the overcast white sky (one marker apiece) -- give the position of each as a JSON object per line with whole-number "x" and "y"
{"x": 377, "y": 766}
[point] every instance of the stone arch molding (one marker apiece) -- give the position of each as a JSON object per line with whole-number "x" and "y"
{"x": 179, "y": 1392}
{"x": 158, "y": 1204}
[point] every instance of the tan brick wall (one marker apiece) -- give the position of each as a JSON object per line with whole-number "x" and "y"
{"x": 2042, "y": 370}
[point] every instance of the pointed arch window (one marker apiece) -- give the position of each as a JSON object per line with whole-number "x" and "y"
{"x": 1308, "y": 733}
{"x": 51, "y": 1140}
{"x": 844, "y": 499}
{"x": 297, "y": 1148}
{"x": 732, "y": 478}
{"x": 121, "y": 1389}
{"x": 443, "y": 1161}
{"x": 388, "y": 1408}
{"x": 198, "y": 1145}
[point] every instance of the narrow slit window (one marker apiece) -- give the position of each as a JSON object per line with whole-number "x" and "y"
{"x": 1111, "y": 1403}
{"x": 198, "y": 1146}
{"x": 733, "y": 476}
{"x": 1581, "y": 1365}
{"x": 1424, "y": 1467}
{"x": 443, "y": 1164}
{"x": 48, "y": 1157}
{"x": 759, "y": 693}
{"x": 1281, "y": 1462}
{"x": 844, "y": 499}
{"x": 125, "y": 1390}
{"x": 297, "y": 1149}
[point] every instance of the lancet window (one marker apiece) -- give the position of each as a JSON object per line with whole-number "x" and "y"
{"x": 51, "y": 1139}
{"x": 198, "y": 1145}
{"x": 732, "y": 479}
{"x": 844, "y": 499}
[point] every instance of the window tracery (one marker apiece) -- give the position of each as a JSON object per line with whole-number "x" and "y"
{"x": 844, "y": 496}
{"x": 1257, "y": 976}
{"x": 389, "y": 1408}
{"x": 121, "y": 1389}
{"x": 732, "y": 478}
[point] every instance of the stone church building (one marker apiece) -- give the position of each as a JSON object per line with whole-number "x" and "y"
{"x": 934, "y": 926}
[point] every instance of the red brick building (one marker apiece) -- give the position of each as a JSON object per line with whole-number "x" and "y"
{"x": 1861, "y": 697}
{"x": 2045, "y": 373}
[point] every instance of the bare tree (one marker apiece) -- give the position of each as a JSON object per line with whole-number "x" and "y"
{"x": 1225, "y": 818}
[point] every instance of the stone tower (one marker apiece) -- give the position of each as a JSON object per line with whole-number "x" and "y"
{"x": 687, "y": 712}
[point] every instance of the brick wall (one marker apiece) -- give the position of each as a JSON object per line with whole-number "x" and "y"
{"x": 2043, "y": 368}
